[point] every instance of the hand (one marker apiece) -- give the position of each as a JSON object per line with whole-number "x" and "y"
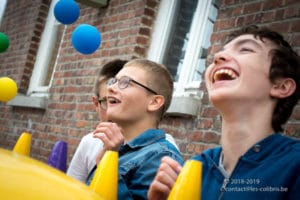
{"x": 111, "y": 136}
{"x": 164, "y": 180}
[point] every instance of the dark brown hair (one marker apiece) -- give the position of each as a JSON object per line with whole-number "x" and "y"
{"x": 284, "y": 64}
{"x": 107, "y": 71}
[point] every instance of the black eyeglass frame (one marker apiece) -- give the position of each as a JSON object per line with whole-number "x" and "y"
{"x": 113, "y": 80}
{"x": 102, "y": 103}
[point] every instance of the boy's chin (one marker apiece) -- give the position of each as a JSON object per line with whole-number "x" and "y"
{"x": 111, "y": 118}
{"x": 221, "y": 100}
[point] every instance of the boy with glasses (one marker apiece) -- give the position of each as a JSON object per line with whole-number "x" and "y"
{"x": 137, "y": 99}
{"x": 90, "y": 149}
{"x": 254, "y": 82}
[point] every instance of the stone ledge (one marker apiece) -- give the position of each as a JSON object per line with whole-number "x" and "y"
{"x": 29, "y": 101}
{"x": 184, "y": 106}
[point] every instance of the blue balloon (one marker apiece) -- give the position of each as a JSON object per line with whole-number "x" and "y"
{"x": 86, "y": 38}
{"x": 66, "y": 11}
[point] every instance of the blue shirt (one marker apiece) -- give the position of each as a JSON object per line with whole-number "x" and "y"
{"x": 139, "y": 160}
{"x": 268, "y": 170}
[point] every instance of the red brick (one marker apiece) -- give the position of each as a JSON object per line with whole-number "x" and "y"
{"x": 268, "y": 16}
{"x": 272, "y": 4}
{"x": 210, "y": 112}
{"x": 205, "y": 124}
{"x": 211, "y": 137}
{"x": 195, "y": 136}
{"x": 252, "y": 7}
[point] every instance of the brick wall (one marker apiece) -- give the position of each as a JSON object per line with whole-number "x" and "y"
{"x": 126, "y": 29}
{"x": 23, "y": 22}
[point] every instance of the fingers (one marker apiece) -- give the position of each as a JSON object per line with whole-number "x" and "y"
{"x": 168, "y": 171}
{"x": 110, "y": 134}
{"x": 171, "y": 163}
{"x": 164, "y": 180}
{"x": 158, "y": 191}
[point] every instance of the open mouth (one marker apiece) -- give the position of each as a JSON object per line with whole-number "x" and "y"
{"x": 112, "y": 100}
{"x": 224, "y": 75}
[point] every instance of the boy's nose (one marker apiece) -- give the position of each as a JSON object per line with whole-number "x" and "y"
{"x": 221, "y": 57}
{"x": 112, "y": 88}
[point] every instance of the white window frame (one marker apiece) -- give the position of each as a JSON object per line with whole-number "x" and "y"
{"x": 44, "y": 54}
{"x": 186, "y": 91}
{"x": 159, "y": 41}
{"x": 2, "y": 9}
{"x": 37, "y": 95}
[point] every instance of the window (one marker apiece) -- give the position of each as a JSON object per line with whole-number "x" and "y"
{"x": 181, "y": 39}
{"x": 2, "y": 9}
{"x": 46, "y": 56}
{"x": 37, "y": 94}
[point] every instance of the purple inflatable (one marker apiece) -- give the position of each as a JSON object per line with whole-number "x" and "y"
{"x": 58, "y": 156}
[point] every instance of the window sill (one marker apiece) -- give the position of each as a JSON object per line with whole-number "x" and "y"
{"x": 29, "y": 101}
{"x": 180, "y": 106}
{"x": 184, "y": 106}
{"x": 95, "y": 3}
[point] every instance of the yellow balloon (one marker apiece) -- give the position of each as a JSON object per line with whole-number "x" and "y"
{"x": 23, "y": 178}
{"x": 8, "y": 89}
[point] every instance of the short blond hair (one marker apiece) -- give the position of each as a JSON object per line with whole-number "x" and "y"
{"x": 159, "y": 79}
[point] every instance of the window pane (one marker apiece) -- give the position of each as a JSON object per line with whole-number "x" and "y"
{"x": 212, "y": 16}
{"x": 2, "y": 9}
{"x": 179, "y": 37}
{"x": 54, "y": 53}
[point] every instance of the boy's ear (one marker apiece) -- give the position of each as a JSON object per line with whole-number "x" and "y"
{"x": 156, "y": 102}
{"x": 283, "y": 87}
{"x": 95, "y": 102}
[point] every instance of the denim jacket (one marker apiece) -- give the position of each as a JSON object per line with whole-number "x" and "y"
{"x": 268, "y": 170}
{"x": 139, "y": 160}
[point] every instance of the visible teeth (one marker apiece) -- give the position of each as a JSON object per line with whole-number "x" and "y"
{"x": 224, "y": 74}
{"x": 113, "y": 100}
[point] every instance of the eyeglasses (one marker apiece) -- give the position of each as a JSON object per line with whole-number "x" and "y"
{"x": 103, "y": 103}
{"x": 124, "y": 81}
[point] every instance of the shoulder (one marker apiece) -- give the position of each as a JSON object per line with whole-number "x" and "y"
{"x": 85, "y": 140}
{"x": 89, "y": 139}
{"x": 296, "y": 145}
{"x": 292, "y": 145}
{"x": 211, "y": 154}
{"x": 165, "y": 144}
{"x": 163, "y": 148}
{"x": 89, "y": 144}
{"x": 295, "y": 149}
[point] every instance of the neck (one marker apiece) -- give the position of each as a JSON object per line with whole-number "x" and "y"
{"x": 133, "y": 129}
{"x": 242, "y": 129}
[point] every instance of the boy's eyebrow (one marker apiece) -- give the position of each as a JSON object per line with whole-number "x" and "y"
{"x": 251, "y": 41}
{"x": 241, "y": 42}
